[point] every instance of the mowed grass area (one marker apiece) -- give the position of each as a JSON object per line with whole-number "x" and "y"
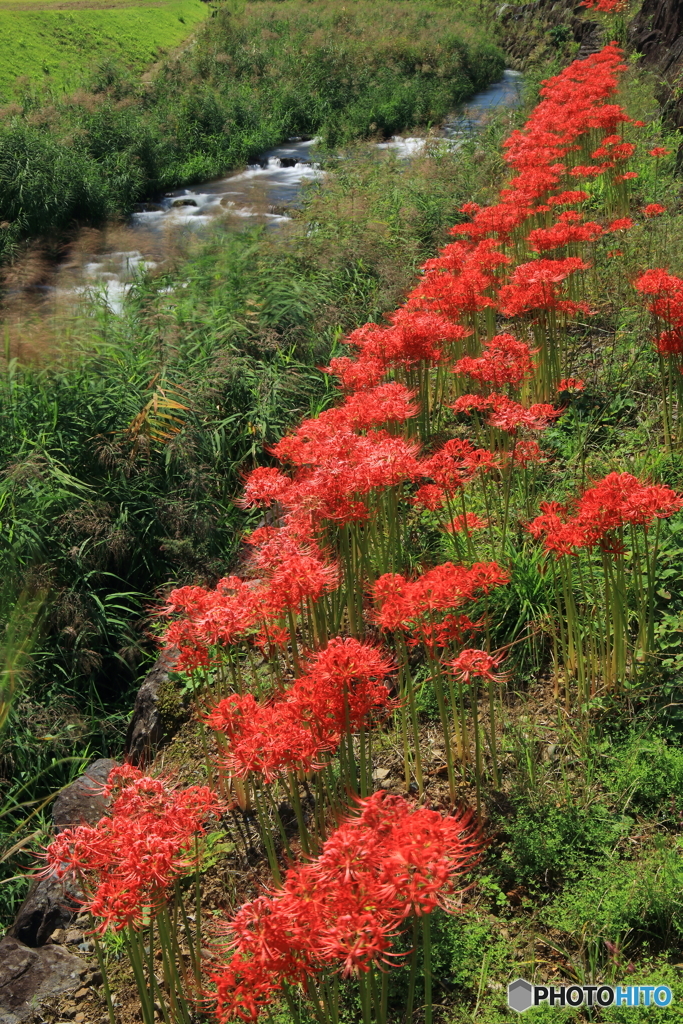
{"x": 59, "y": 45}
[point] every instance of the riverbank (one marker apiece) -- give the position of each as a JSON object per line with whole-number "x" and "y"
{"x": 255, "y": 76}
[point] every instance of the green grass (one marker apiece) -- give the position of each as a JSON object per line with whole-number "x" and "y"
{"x": 254, "y": 76}
{"x": 59, "y": 50}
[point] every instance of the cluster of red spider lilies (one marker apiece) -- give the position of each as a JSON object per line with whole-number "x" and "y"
{"x": 332, "y": 633}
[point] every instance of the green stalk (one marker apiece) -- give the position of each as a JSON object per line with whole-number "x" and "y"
{"x": 133, "y": 952}
{"x": 293, "y": 788}
{"x": 410, "y": 999}
{"x": 477, "y": 746}
{"x": 427, "y": 948}
{"x": 105, "y": 979}
{"x": 171, "y": 956}
{"x": 267, "y": 839}
{"x": 494, "y": 746}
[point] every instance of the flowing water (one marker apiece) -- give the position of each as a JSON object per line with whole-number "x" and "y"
{"x": 106, "y": 261}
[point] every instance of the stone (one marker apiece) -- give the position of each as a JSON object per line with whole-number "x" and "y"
{"x": 29, "y": 976}
{"x": 82, "y": 803}
{"x": 52, "y": 902}
{"x": 49, "y": 906}
{"x": 184, "y": 202}
{"x": 73, "y": 937}
{"x": 150, "y": 722}
{"x": 380, "y": 773}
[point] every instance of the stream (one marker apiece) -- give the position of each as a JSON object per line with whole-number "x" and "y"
{"x": 104, "y": 262}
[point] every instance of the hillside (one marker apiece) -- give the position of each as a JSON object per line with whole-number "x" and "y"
{"x": 394, "y": 486}
{"x": 59, "y": 46}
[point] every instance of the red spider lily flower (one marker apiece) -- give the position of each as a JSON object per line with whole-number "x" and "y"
{"x": 562, "y": 198}
{"x": 614, "y": 148}
{"x": 230, "y": 611}
{"x": 127, "y": 861}
{"x": 627, "y": 176}
{"x": 563, "y": 232}
{"x": 425, "y": 607}
{"x": 456, "y": 463}
{"x": 659, "y": 151}
{"x": 589, "y": 170}
{"x": 341, "y": 911}
{"x": 342, "y": 690}
{"x": 507, "y": 415}
{"x": 618, "y": 500}
{"x": 505, "y": 360}
{"x": 621, "y": 224}
{"x": 525, "y": 452}
{"x": 534, "y": 286}
{"x": 356, "y": 374}
{"x": 429, "y": 496}
{"x": 606, "y": 6}
{"x": 466, "y": 523}
{"x": 571, "y": 384}
{"x": 386, "y": 403}
{"x": 613, "y": 253}
{"x": 667, "y": 305}
{"x": 264, "y": 486}
{"x": 412, "y": 337}
{"x": 654, "y": 210}
{"x": 472, "y": 663}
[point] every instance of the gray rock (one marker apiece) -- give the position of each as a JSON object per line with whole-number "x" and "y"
{"x": 29, "y": 976}
{"x": 50, "y": 904}
{"x": 82, "y": 803}
{"x": 150, "y": 722}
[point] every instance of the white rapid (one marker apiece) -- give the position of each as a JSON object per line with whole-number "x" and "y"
{"x": 106, "y": 262}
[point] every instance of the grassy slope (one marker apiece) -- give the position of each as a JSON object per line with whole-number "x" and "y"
{"x": 60, "y": 48}
{"x": 582, "y": 879}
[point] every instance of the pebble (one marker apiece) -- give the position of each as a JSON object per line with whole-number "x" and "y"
{"x": 81, "y": 993}
{"x": 380, "y": 773}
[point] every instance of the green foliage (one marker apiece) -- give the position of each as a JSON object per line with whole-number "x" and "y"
{"x": 252, "y": 79}
{"x": 626, "y": 901}
{"x": 51, "y": 50}
{"x": 550, "y": 842}
{"x": 645, "y": 776}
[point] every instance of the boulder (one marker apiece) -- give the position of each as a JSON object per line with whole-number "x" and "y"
{"x": 82, "y": 803}
{"x": 29, "y": 976}
{"x": 157, "y": 713}
{"x": 51, "y": 902}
